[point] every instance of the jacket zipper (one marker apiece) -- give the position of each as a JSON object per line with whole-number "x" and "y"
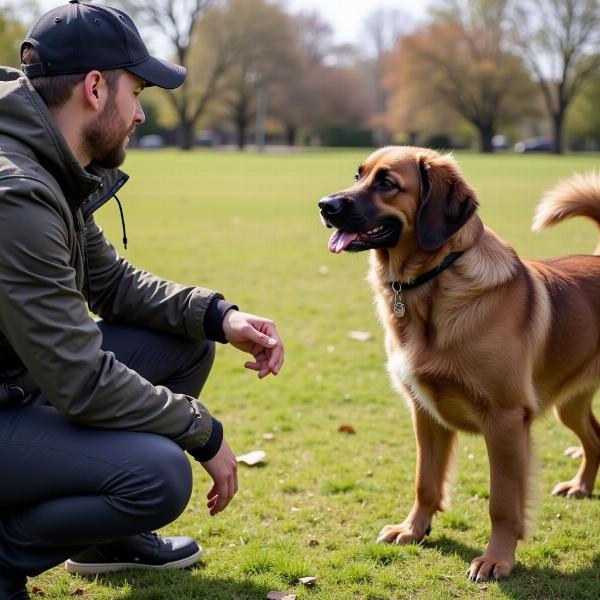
{"x": 89, "y": 210}
{"x": 83, "y": 215}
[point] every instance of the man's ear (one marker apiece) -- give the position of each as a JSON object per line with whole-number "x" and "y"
{"x": 447, "y": 201}
{"x": 93, "y": 84}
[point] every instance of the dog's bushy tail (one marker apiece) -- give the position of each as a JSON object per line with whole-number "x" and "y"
{"x": 578, "y": 196}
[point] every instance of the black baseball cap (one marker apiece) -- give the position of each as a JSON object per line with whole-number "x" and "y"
{"x": 80, "y": 37}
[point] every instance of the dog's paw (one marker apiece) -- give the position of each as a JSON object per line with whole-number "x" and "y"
{"x": 572, "y": 489}
{"x": 402, "y": 534}
{"x": 488, "y": 568}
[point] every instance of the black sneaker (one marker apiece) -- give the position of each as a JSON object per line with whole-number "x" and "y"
{"x": 13, "y": 588}
{"x": 143, "y": 551}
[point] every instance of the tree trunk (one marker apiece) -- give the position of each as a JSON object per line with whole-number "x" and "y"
{"x": 486, "y": 133}
{"x": 185, "y": 134}
{"x": 290, "y": 135}
{"x": 242, "y": 133}
{"x": 557, "y": 131}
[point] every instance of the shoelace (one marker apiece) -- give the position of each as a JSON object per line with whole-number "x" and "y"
{"x": 153, "y": 537}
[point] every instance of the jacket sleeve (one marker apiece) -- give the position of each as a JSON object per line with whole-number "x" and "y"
{"x": 121, "y": 292}
{"x": 45, "y": 319}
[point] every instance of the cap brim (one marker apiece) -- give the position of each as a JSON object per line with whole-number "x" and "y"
{"x": 161, "y": 73}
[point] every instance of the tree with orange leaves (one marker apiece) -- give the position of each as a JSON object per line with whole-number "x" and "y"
{"x": 460, "y": 64}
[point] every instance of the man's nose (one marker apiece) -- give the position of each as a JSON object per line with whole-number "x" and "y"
{"x": 139, "y": 116}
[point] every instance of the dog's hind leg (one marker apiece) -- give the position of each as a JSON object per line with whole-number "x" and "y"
{"x": 435, "y": 450}
{"x": 577, "y": 415}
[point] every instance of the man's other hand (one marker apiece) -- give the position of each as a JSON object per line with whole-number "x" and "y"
{"x": 222, "y": 468}
{"x": 257, "y": 336}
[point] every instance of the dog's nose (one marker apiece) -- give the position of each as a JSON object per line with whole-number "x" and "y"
{"x": 331, "y": 205}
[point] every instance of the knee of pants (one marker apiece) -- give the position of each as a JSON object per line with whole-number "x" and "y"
{"x": 167, "y": 486}
{"x": 198, "y": 361}
{"x": 204, "y": 354}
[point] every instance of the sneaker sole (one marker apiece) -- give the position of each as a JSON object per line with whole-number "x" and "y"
{"x": 76, "y": 568}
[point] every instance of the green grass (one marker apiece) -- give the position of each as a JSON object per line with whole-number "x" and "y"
{"x": 248, "y": 226}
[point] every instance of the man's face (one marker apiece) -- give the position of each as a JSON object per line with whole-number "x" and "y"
{"x": 106, "y": 137}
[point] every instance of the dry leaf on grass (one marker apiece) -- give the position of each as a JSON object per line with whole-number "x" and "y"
{"x": 307, "y": 581}
{"x": 36, "y": 591}
{"x": 313, "y": 543}
{"x": 281, "y": 596}
{"x": 574, "y": 451}
{"x": 252, "y": 458}
{"x": 346, "y": 429}
{"x": 268, "y": 436}
{"x": 360, "y": 336}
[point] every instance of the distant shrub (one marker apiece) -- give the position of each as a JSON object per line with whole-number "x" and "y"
{"x": 347, "y": 137}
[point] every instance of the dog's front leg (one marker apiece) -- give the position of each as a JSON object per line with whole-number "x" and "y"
{"x": 507, "y": 436}
{"x": 435, "y": 450}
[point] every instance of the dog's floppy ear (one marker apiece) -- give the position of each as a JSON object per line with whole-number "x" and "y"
{"x": 447, "y": 201}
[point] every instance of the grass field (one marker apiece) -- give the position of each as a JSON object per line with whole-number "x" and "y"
{"x": 248, "y": 226}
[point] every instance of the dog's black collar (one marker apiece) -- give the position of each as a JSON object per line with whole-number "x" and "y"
{"x": 427, "y": 276}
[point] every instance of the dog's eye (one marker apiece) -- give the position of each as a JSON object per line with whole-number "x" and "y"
{"x": 386, "y": 184}
{"x": 357, "y": 176}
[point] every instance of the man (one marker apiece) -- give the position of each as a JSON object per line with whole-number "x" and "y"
{"x": 94, "y": 414}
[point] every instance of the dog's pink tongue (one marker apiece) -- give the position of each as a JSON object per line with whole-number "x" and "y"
{"x": 340, "y": 240}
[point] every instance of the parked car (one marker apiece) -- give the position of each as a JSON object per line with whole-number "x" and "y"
{"x": 206, "y": 138}
{"x": 152, "y": 141}
{"x": 499, "y": 142}
{"x": 536, "y": 144}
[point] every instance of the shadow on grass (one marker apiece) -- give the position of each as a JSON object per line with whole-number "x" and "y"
{"x": 184, "y": 584}
{"x": 532, "y": 583}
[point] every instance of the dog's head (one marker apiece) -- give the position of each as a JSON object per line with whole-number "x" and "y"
{"x": 400, "y": 191}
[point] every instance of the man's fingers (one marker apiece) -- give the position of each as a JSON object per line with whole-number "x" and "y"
{"x": 276, "y": 359}
{"x": 276, "y": 350}
{"x": 262, "y": 339}
{"x": 227, "y": 491}
{"x": 221, "y": 498}
{"x": 212, "y": 492}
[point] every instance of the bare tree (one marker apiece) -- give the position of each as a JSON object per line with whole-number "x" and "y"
{"x": 176, "y": 21}
{"x": 381, "y": 33}
{"x": 583, "y": 119}
{"x": 314, "y": 37}
{"x": 560, "y": 40}
{"x": 294, "y": 98}
{"x": 258, "y": 37}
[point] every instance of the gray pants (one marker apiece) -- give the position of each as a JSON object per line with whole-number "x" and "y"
{"x": 66, "y": 487}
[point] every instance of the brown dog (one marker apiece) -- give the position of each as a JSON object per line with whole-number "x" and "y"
{"x": 477, "y": 338}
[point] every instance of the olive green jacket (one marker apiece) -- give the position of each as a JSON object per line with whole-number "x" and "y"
{"x": 55, "y": 262}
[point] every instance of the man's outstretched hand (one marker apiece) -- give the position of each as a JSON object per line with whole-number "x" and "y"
{"x": 257, "y": 336}
{"x": 222, "y": 468}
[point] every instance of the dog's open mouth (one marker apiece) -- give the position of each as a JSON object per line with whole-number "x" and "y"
{"x": 382, "y": 236}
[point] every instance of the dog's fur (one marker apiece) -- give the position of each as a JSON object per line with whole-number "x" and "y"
{"x": 486, "y": 345}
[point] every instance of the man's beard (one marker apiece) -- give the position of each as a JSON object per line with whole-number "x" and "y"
{"x": 104, "y": 137}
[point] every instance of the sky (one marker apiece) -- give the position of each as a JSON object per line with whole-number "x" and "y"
{"x": 345, "y": 16}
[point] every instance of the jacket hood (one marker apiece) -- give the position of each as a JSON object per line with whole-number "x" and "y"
{"x": 27, "y": 120}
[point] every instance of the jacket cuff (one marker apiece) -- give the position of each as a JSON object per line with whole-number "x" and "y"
{"x": 213, "y": 319}
{"x": 210, "y": 449}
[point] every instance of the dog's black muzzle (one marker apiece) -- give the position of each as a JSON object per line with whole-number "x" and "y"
{"x": 359, "y": 214}
{"x": 351, "y": 214}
